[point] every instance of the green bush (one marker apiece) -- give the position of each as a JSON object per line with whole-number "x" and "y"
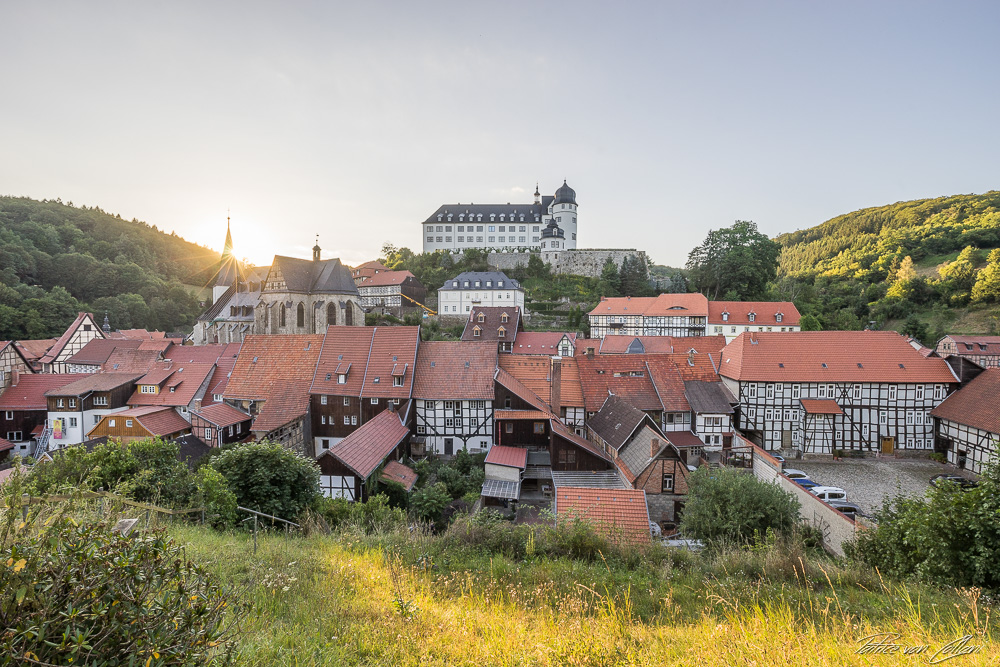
{"x": 429, "y": 502}
{"x": 374, "y": 516}
{"x": 216, "y": 497}
{"x": 725, "y": 505}
{"x": 267, "y": 477}
{"x": 79, "y": 594}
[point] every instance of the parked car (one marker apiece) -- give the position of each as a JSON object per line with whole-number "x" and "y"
{"x": 779, "y": 459}
{"x": 829, "y": 493}
{"x": 805, "y": 483}
{"x": 963, "y": 482}
{"x": 850, "y": 510}
{"x": 792, "y": 473}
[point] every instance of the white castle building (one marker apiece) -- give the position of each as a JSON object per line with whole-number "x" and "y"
{"x": 547, "y": 225}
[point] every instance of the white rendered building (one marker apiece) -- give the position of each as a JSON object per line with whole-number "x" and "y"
{"x": 459, "y": 295}
{"x": 505, "y": 227}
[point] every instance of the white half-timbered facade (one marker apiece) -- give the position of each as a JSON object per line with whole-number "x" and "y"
{"x": 453, "y": 395}
{"x": 815, "y": 392}
{"x": 83, "y": 330}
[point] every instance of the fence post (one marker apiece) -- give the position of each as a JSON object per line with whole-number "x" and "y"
{"x": 25, "y": 499}
{"x": 203, "y": 516}
{"x": 100, "y": 503}
{"x": 255, "y": 534}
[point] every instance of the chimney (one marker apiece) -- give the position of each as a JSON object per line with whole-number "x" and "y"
{"x": 15, "y": 377}
{"x": 197, "y": 405}
{"x": 690, "y": 357}
{"x": 654, "y": 448}
{"x": 555, "y": 393}
{"x": 590, "y": 353}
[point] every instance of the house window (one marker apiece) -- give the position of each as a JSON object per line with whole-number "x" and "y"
{"x": 354, "y": 420}
{"x": 421, "y": 429}
{"x": 668, "y": 482}
{"x": 892, "y": 392}
{"x": 449, "y": 422}
{"x": 539, "y": 428}
{"x": 770, "y": 391}
{"x": 503, "y": 317}
{"x": 778, "y": 317}
{"x": 752, "y": 316}
{"x": 347, "y": 420}
{"x": 918, "y": 418}
{"x": 111, "y": 422}
{"x": 476, "y": 332}
{"x": 725, "y": 317}
{"x": 72, "y": 402}
{"x": 9, "y": 414}
{"x": 322, "y": 419}
{"x": 342, "y": 378}
{"x": 883, "y": 417}
{"x": 752, "y": 390}
{"x": 508, "y": 427}
{"x": 128, "y": 423}
{"x": 326, "y": 443}
{"x": 147, "y": 389}
{"x": 208, "y": 434}
{"x": 796, "y": 390}
{"x": 397, "y": 380}
{"x": 501, "y": 333}
{"x": 864, "y": 431}
{"x": 59, "y": 402}
{"x": 856, "y": 392}
{"x": 347, "y": 400}
{"x": 430, "y": 405}
{"x": 920, "y": 392}
{"x": 374, "y": 401}
{"x": 909, "y": 417}
{"x": 938, "y": 391}
{"x": 322, "y": 399}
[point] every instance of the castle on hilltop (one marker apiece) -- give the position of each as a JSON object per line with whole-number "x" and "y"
{"x": 548, "y": 226}
{"x": 292, "y": 296}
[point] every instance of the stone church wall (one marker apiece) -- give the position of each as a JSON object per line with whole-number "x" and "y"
{"x": 576, "y": 262}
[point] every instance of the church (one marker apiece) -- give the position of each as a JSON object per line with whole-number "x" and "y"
{"x": 547, "y": 225}
{"x": 292, "y": 296}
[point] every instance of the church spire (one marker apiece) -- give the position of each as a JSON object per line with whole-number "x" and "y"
{"x": 227, "y": 249}
{"x": 316, "y": 250}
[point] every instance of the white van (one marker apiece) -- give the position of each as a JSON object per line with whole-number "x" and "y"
{"x": 829, "y": 493}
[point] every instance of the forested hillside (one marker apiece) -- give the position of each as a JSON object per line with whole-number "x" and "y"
{"x": 57, "y": 259}
{"x": 928, "y": 267}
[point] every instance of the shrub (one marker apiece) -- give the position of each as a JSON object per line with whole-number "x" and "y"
{"x": 79, "y": 594}
{"x": 726, "y": 505}
{"x": 374, "y": 516}
{"x": 267, "y": 477}
{"x": 430, "y": 501}
{"x": 216, "y": 497}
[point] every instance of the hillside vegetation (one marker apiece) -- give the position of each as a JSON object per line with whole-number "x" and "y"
{"x": 926, "y": 267}
{"x": 57, "y": 259}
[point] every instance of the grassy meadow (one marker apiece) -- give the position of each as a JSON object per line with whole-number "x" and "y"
{"x": 412, "y": 599}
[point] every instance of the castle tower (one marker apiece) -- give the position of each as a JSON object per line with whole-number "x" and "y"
{"x": 563, "y": 211}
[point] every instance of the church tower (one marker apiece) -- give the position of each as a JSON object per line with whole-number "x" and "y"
{"x": 228, "y": 268}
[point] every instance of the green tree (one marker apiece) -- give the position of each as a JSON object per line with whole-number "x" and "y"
{"x": 267, "y": 477}
{"x": 634, "y": 276}
{"x": 987, "y": 287}
{"x": 430, "y": 501}
{"x": 536, "y": 267}
{"x": 736, "y": 262}
{"x": 611, "y": 278}
{"x": 727, "y": 506}
{"x": 916, "y": 328}
{"x": 810, "y": 323}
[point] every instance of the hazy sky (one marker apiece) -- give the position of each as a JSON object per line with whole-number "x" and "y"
{"x": 357, "y": 120}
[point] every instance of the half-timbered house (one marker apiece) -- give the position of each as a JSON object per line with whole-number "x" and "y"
{"x": 220, "y": 424}
{"x": 12, "y": 364}
{"x": 348, "y": 466}
{"x": 983, "y": 350}
{"x": 967, "y": 423}
{"x": 74, "y": 409}
{"x": 787, "y": 385}
{"x": 24, "y": 410}
{"x": 500, "y": 324}
{"x": 453, "y": 394}
{"x": 83, "y": 330}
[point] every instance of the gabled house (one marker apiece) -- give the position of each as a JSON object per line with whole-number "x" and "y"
{"x": 552, "y": 343}
{"x": 141, "y": 423}
{"x": 555, "y": 380}
{"x": 453, "y": 396}
{"x": 816, "y": 391}
{"x": 220, "y": 424}
{"x": 967, "y": 423}
{"x": 478, "y": 289}
{"x": 623, "y": 375}
{"x": 731, "y": 318}
{"x": 348, "y": 467}
{"x": 92, "y": 356}
{"x": 498, "y": 324}
{"x": 222, "y": 356}
{"x": 12, "y": 364}
{"x": 392, "y": 292}
{"x": 74, "y": 409}
{"x": 24, "y": 410}
{"x": 983, "y": 350}
{"x": 174, "y": 384}
{"x": 83, "y": 330}
{"x": 404, "y": 475}
{"x": 643, "y": 456}
{"x": 304, "y": 297}
{"x": 363, "y": 272}
{"x": 361, "y": 372}
{"x": 34, "y": 350}
{"x": 270, "y": 381}
{"x": 663, "y": 315}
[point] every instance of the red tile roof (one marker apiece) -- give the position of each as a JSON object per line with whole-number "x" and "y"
{"x": 977, "y": 345}
{"x": 96, "y": 382}
{"x": 222, "y": 414}
{"x": 455, "y": 370}
{"x": 5, "y": 445}
{"x": 570, "y": 389}
{"x": 690, "y": 305}
{"x": 698, "y": 366}
{"x": 975, "y": 404}
{"x": 58, "y": 346}
{"x": 130, "y": 360}
{"x": 385, "y": 278}
{"x": 764, "y": 311}
{"x": 668, "y": 381}
{"x": 364, "y": 450}
{"x": 597, "y": 377}
{"x": 35, "y": 349}
{"x": 683, "y": 439}
{"x": 201, "y": 354}
{"x": 29, "y": 392}
{"x": 223, "y": 367}
{"x": 287, "y": 401}
{"x": 97, "y": 351}
{"x": 834, "y": 356}
{"x": 393, "y": 354}
{"x": 179, "y": 384}
{"x": 394, "y": 471}
{"x": 366, "y": 354}
{"x": 489, "y": 328}
{"x": 533, "y": 371}
{"x": 814, "y": 406}
{"x": 514, "y": 457}
{"x": 265, "y": 361}
{"x": 619, "y": 514}
{"x": 541, "y": 342}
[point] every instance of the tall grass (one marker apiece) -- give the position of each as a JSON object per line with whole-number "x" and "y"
{"x": 400, "y": 599}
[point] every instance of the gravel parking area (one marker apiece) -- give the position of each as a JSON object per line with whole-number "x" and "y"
{"x": 869, "y": 482}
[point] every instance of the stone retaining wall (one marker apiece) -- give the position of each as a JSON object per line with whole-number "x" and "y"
{"x": 576, "y": 262}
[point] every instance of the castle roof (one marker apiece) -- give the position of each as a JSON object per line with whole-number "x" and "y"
{"x": 325, "y": 276}
{"x": 529, "y": 211}
{"x": 496, "y": 280}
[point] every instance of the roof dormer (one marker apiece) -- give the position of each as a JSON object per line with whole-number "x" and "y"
{"x": 725, "y": 316}
{"x": 778, "y": 317}
{"x": 751, "y": 316}
{"x": 477, "y": 332}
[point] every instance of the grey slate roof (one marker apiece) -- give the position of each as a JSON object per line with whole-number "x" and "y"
{"x": 494, "y": 277}
{"x": 599, "y": 479}
{"x": 326, "y": 276}
{"x": 529, "y": 211}
{"x": 708, "y": 397}
{"x": 231, "y": 297}
{"x": 637, "y": 454}
{"x": 616, "y": 421}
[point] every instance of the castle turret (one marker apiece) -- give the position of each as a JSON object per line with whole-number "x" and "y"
{"x": 563, "y": 211}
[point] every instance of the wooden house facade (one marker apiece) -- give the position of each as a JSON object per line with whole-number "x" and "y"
{"x": 967, "y": 423}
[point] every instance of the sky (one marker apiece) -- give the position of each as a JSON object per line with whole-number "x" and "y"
{"x": 356, "y": 121}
